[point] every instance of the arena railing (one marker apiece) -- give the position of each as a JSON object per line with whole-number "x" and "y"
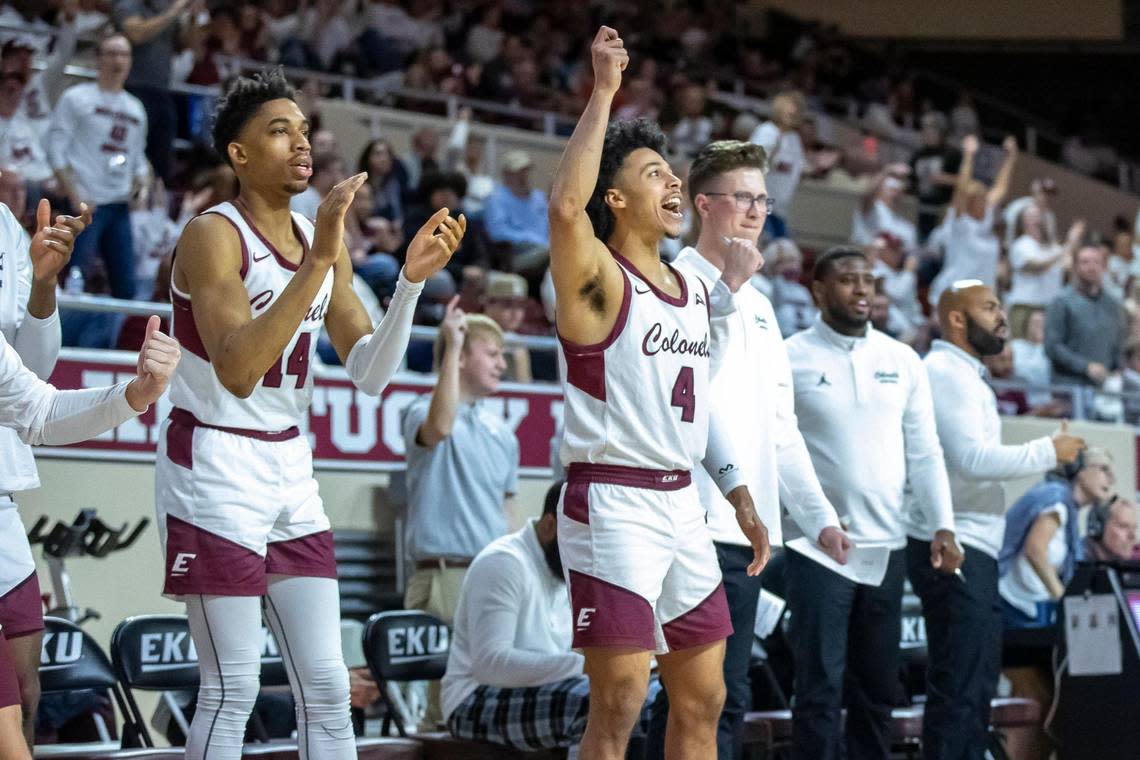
{"x": 139, "y": 308}
{"x": 1083, "y": 403}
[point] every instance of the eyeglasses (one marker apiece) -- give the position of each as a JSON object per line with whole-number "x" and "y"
{"x": 744, "y": 201}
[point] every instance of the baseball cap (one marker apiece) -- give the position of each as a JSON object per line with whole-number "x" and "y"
{"x": 516, "y": 160}
{"x": 505, "y": 287}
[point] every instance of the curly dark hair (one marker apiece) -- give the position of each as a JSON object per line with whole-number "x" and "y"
{"x": 243, "y": 96}
{"x": 721, "y": 157}
{"x": 622, "y": 138}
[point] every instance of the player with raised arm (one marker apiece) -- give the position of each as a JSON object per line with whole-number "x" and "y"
{"x": 637, "y": 342}
{"x": 42, "y": 415}
{"x": 243, "y": 527}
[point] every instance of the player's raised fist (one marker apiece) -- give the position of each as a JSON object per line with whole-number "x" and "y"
{"x": 433, "y": 245}
{"x": 610, "y": 59}
{"x": 158, "y": 358}
{"x": 742, "y": 260}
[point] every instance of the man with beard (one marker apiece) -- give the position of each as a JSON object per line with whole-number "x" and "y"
{"x": 963, "y": 615}
{"x": 512, "y": 677}
{"x": 864, "y": 408}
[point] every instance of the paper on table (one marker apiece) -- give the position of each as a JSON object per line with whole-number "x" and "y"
{"x": 865, "y": 564}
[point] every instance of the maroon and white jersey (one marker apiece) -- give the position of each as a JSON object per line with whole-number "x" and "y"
{"x": 281, "y": 398}
{"x": 640, "y": 397}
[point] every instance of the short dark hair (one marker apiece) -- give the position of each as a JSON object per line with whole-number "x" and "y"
{"x": 433, "y": 181}
{"x": 622, "y": 138}
{"x": 721, "y": 157}
{"x": 826, "y": 261}
{"x": 550, "y": 504}
{"x": 243, "y": 96}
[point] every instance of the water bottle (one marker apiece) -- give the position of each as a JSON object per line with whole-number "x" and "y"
{"x": 74, "y": 284}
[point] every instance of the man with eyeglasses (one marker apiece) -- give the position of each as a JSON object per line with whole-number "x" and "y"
{"x": 753, "y": 388}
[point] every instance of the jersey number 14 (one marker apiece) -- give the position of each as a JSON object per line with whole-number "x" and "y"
{"x": 297, "y": 365}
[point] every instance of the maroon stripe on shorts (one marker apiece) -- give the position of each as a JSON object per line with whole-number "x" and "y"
{"x": 637, "y": 477}
{"x": 180, "y": 443}
{"x": 9, "y": 685}
{"x": 310, "y": 556}
{"x": 201, "y": 562}
{"x": 22, "y": 608}
{"x": 576, "y": 501}
{"x": 607, "y": 615}
{"x": 183, "y": 417}
{"x": 709, "y": 621}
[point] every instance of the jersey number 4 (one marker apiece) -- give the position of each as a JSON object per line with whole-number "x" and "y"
{"x": 297, "y": 365}
{"x": 683, "y": 394}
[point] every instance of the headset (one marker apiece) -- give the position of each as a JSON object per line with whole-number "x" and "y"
{"x": 1099, "y": 515}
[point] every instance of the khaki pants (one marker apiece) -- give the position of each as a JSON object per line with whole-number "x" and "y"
{"x": 436, "y": 592}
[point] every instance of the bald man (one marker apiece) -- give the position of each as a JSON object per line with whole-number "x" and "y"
{"x": 963, "y": 618}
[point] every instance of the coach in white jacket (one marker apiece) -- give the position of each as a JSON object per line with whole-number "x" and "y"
{"x": 864, "y": 408}
{"x": 963, "y": 616}
{"x": 752, "y": 400}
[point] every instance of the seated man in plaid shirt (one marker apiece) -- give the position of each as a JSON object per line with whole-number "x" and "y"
{"x": 511, "y": 644}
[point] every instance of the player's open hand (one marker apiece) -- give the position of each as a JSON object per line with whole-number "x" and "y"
{"x": 742, "y": 260}
{"x": 835, "y": 543}
{"x": 158, "y": 358}
{"x": 52, "y": 245}
{"x": 433, "y": 245}
{"x": 329, "y": 229}
{"x": 610, "y": 59}
{"x": 753, "y": 528}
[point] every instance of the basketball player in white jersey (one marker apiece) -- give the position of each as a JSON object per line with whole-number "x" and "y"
{"x": 29, "y": 322}
{"x": 39, "y": 414}
{"x": 636, "y": 337}
{"x": 244, "y": 530}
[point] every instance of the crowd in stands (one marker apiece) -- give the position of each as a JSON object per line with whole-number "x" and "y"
{"x": 1073, "y": 294}
{"x": 1076, "y": 281}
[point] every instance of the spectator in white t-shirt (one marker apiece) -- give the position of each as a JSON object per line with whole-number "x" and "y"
{"x": 1031, "y": 365}
{"x": 972, "y": 249}
{"x": 899, "y": 275}
{"x": 1037, "y": 266}
{"x": 96, "y": 145}
{"x": 780, "y": 138}
{"x": 879, "y": 210}
{"x": 791, "y": 300}
{"x": 1041, "y": 192}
